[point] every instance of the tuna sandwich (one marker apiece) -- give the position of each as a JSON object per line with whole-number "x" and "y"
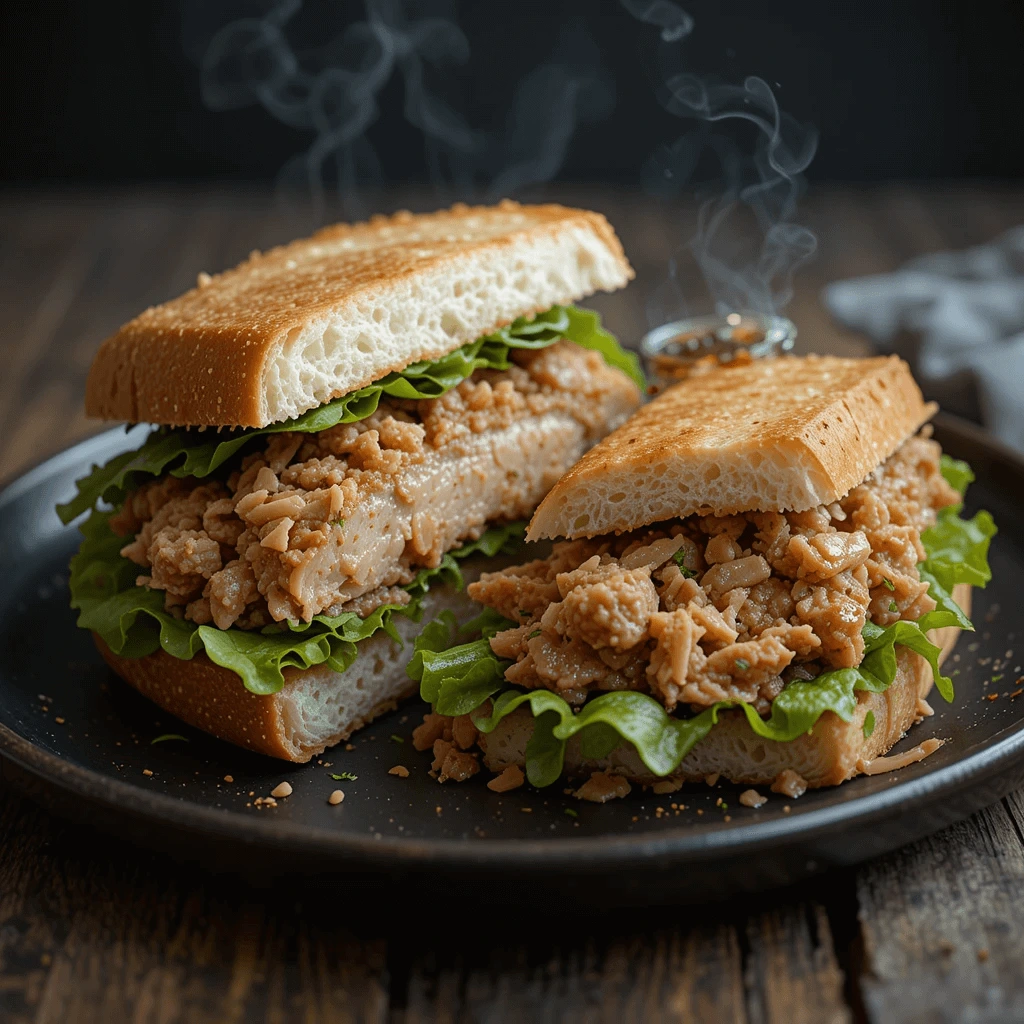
{"x": 336, "y": 426}
{"x": 758, "y": 577}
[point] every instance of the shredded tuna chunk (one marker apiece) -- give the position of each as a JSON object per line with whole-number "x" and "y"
{"x": 724, "y": 608}
{"x": 336, "y": 521}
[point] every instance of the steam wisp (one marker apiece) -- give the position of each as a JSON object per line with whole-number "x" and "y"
{"x": 765, "y": 183}
{"x": 335, "y": 92}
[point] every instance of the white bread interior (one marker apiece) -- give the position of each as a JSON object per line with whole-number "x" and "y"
{"x": 782, "y": 434}
{"x": 832, "y": 753}
{"x": 304, "y": 323}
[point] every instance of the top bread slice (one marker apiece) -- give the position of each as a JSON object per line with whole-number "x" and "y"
{"x": 306, "y": 322}
{"x": 782, "y": 434}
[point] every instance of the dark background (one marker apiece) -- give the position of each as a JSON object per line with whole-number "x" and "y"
{"x": 111, "y": 91}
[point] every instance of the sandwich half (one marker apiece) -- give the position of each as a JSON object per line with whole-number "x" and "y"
{"x": 761, "y": 572}
{"x": 337, "y": 424}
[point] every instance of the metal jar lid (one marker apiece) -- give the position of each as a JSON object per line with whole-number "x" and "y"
{"x": 675, "y": 350}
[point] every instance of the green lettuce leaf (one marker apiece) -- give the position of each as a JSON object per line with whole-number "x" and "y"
{"x": 957, "y": 548}
{"x": 460, "y": 679}
{"x": 198, "y": 453}
{"x": 133, "y": 623}
{"x": 956, "y": 472}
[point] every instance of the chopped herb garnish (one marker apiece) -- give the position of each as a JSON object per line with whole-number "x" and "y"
{"x": 536, "y": 632}
{"x": 571, "y": 812}
{"x": 680, "y": 559}
{"x": 523, "y": 612}
{"x": 344, "y": 777}
{"x": 169, "y": 736}
{"x": 742, "y": 664}
{"x": 724, "y": 806}
{"x": 888, "y": 583}
{"x": 396, "y": 738}
{"x": 869, "y": 724}
{"x": 995, "y": 679}
{"x": 337, "y": 522}
{"x": 893, "y": 606}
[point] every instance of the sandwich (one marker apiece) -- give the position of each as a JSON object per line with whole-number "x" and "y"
{"x": 337, "y": 425}
{"x": 756, "y": 578}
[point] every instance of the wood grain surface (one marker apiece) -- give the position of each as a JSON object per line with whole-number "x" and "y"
{"x": 93, "y": 931}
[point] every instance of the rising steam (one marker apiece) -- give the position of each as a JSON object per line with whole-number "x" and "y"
{"x": 333, "y": 94}
{"x": 765, "y": 183}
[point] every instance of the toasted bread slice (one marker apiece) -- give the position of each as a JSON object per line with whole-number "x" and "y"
{"x": 782, "y": 434}
{"x": 296, "y": 326}
{"x": 832, "y": 753}
{"x": 316, "y": 708}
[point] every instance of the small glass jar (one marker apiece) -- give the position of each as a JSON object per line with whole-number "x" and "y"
{"x": 679, "y": 349}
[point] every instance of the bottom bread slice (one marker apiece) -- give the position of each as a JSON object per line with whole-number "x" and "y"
{"x": 316, "y": 708}
{"x": 834, "y": 752}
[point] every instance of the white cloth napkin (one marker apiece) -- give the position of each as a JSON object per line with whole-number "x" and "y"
{"x": 963, "y": 312}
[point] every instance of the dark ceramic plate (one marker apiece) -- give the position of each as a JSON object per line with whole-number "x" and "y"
{"x": 82, "y": 742}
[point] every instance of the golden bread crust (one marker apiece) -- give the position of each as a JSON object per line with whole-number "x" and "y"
{"x": 214, "y": 356}
{"x": 782, "y": 434}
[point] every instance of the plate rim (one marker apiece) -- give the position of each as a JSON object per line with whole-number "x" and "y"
{"x": 559, "y": 854}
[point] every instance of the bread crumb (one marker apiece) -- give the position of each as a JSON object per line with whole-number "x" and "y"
{"x": 229, "y": 778}
{"x": 335, "y": 798}
{"x": 602, "y": 787}
{"x": 59, "y": 720}
{"x": 146, "y": 771}
{"x": 265, "y": 801}
{"x": 350, "y": 746}
{"x": 667, "y": 786}
{"x": 712, "y": 780}
{"x": 400, "y": 770}
{"x": 526, "y": 810}
{"x": 281, "y": 790}
{"x": 511, "y": 778}
{"x": 786, "y": 808}
{"x": 437, "y": 810}
{"x": 728, "y": 817}
{"x": 203, "y": 279}
{"x": 982, "y": 955}
{"x": 751, "y": 798}
{"x": 790, "y": 783}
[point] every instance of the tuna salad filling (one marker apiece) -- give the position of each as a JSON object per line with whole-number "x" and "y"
{"x": 284, "y": 546}
{"x": 338, "y": 520}
{"x": 648, "y": 637}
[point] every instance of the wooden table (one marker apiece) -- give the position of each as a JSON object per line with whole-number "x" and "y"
{"x": 93, "y": 931}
